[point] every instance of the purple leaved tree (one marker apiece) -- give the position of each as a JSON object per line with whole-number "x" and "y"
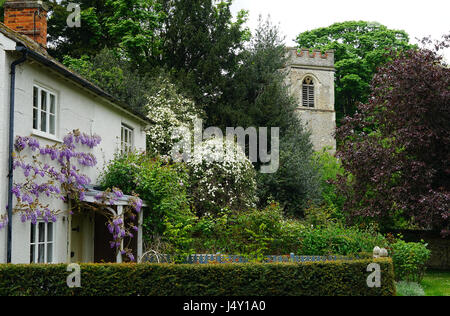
{"x": 396, "y": 147}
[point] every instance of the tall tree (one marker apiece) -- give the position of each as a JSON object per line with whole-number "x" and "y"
{"x": 135, "y": 25}
{"x": 88, "y": 39}
{"x": 2, "y": 13}
{"x": 131, "y": 25}
{"x": 396, "y": 147}
{"x": 360, "y": 48}
{"x": 116, "y": 75}
{"x": 197, "y": 41}
{"x": 201, "y": 43}
{"x": 258, "y": 96}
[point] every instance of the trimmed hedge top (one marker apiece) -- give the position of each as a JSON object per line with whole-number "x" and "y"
{"x": 343, "y": 278}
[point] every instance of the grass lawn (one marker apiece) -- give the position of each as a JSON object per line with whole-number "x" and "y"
{"x": 436, "y": 283}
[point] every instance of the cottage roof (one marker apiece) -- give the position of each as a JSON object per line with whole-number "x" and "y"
{"x": 38, "y": 53}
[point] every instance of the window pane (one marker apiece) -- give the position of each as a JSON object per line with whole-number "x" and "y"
{"x": 43, "y": 111}
{"x": 41, "y": 232}
{"x": 43, "y": 121}
{"x": 33, "y": 233}
{"x": 35, "y": 97}
{"x": 41, "y": 253}
{"x": 52, "y": 125}
{"x": 311, "y": 96}
{"x": 50, "y": 232}
{"x": 52, "y": 104}
{"x": 35, "y": 107}
{"x": 49, "y": 253}
{"x": 43, "y": 101}
{"x": 35, "y": 118}
{"x": 32, "y": 248}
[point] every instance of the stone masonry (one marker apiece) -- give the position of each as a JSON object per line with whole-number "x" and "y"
{"x": 318, "y": 70}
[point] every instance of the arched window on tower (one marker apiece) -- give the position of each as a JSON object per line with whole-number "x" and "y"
{"x": 308, "y": 92}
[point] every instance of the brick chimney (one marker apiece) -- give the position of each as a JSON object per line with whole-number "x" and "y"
{"x": 28, "y": 17}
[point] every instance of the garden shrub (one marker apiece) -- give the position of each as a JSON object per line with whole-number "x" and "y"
{"x": 169, "y": 110}
{"x": 329, "y": 168}
{"x": 296, "y": 184}
{"x": 409, "y": 289}
{"x": 410, "y": 260}
{"x": 337, "y": 239}
{"x": 268, "y": 232}
{"x": 319, "y": 216}
{"x": 252, "y": 233}
{"x": 333, "y": 278}
{"x": 218, "y": 183}
{"x": 164, "y": 188}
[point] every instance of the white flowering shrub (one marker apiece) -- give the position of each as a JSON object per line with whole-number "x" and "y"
{"x": 222, "y": 177}
{"x": 168, "y": 110}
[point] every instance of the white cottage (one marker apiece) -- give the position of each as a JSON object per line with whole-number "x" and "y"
{"x": 65, "y": 101}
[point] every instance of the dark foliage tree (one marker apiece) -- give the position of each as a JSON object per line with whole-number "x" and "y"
{"x": 258, "y": 96}
{"x": 115, "y": 75}
{"x": 88, "y": 39}
{"x": 201, "y": 44}
{"x": 131, "y": 25}
{"x": 396, "y": 147}
{"x": 360, "y": 48}
{"x": 198, "y": 41}
{"x": 2, "y": 13}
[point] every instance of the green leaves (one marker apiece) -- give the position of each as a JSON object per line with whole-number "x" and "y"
{"x": 360, "y": 48}
{"x": 133, "y": 25}
{"x": 164, "y": 188}
{"x": 395, "y": 145}
{"x": 306, "y": 279}
{"x": 410, "y": 260}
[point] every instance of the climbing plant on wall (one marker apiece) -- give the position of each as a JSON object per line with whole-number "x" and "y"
{"x": 54, "y": 172}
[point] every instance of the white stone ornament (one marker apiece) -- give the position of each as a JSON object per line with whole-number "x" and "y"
{"x": 383, "y": 252}
{"x": 376, "y": 252}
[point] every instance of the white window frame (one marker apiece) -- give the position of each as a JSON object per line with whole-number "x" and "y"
{"x": 126, "y": 138}
{"x": 38, "y": 128}
{"x": 46, "y": 243}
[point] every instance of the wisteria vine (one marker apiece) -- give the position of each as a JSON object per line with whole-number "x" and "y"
{"x": 53, "y": 172}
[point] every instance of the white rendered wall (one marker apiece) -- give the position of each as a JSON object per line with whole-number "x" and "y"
{"x": 5, "y": 43}
{"x": 77, "y": 109}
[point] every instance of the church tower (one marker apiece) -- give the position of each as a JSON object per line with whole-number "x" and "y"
{"x": 311, "y": 78}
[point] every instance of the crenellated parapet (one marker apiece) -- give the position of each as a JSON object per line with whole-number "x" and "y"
{"x": 307, "y": 57}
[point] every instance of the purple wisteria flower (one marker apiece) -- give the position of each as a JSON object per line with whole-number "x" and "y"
{"x": 16, "y": 190}
{"x": 33, "y": 144}
{"x": 21, "y": 143}
{"x": 118, "y": 193}
{"x": 62, "y": 178}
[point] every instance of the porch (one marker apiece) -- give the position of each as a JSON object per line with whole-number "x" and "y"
{"x": 89, "y": 238}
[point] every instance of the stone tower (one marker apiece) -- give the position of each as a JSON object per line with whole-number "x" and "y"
{"x": 311, "y": 78}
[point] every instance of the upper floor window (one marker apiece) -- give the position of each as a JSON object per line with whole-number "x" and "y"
{"x": 41, "y": 242}
{"x": 126, "y": 139}
{"x": 44, "y": 111}
{"x": 308, "y": 92}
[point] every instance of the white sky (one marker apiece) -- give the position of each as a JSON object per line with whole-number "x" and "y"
{"x": 417, "y": 18}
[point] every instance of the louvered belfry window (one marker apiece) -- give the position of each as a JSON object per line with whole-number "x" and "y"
{"x": 308, "y": 92}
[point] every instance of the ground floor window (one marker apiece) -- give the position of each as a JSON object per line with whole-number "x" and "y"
{"x": 41, "y": 242}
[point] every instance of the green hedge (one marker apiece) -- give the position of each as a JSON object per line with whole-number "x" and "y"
{"x": 283, "y": 279}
